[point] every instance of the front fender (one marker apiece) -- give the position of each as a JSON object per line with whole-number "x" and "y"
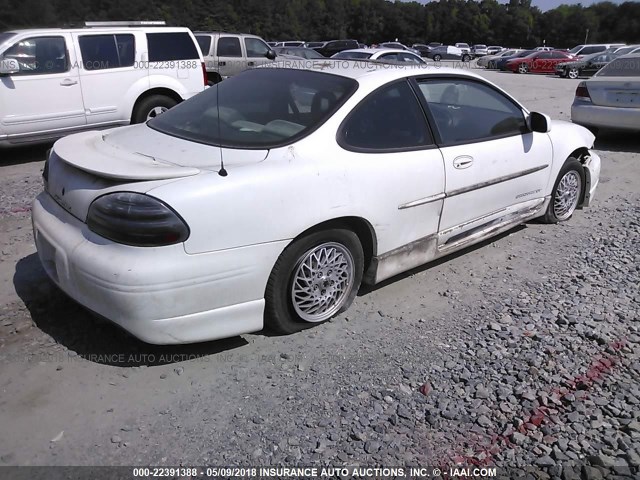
{"x": 566, "y": 138}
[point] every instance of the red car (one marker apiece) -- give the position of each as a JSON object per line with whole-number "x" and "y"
{"x": 539, "y": 62}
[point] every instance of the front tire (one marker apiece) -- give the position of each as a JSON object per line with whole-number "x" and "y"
{"x": 466, "y": 58}
{"x": 314, "y": 279}
{"x": 573, "y": 73}
{"x": 151, "y": 107}
{"x": 567, "y": 192}
{"x": 522, "y": 68}
{"x": 437, "y": 58}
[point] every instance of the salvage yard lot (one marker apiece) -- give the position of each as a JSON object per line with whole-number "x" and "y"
{"x": 500, "y": 341}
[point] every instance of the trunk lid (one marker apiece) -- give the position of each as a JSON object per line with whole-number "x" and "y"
{"x": 621, "y": 92}
{"x": 87, "y": 165}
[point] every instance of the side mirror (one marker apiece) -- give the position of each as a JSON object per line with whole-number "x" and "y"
{"x": 271, "y": 55}
{"x": 9, "y": 66}
{"x": 539, "y": 122}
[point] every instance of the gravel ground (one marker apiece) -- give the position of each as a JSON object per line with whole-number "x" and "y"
{"x": 522, "y": 353}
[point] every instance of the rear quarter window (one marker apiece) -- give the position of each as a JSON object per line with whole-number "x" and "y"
{"x": 171, "y": 46}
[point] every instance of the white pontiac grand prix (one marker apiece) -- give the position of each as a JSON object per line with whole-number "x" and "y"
{"x": 266, "y": 200}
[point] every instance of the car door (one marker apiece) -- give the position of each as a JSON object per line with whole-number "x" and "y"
{"x": 496, "y": 169}
{"x": 397, "y": 174}
{"x": 45, "y": 95}
{"x": 228, "y": 56}
{"x": 108, "y": 71}
{"x": 257, "y": 51}
{"x": 595, "y": 64}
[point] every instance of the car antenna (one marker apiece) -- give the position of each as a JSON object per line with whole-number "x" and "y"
{"x": 222, "y": 172}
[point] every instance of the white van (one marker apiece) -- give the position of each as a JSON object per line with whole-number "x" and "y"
{"x": 58, "y": 81}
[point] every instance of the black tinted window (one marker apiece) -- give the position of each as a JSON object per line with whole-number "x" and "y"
{"x": 40, "y": 55}
{"x": 258, "y": 108}
{"x": 595, "y": 49}
{"x": 466, "y": 110}
{"x": 388, "y": 119}
{"x": 229, "y": 47}
{"x": 165, "y": 47}
{"x": 204, "y": 41}
{"x": 107, "y": 51}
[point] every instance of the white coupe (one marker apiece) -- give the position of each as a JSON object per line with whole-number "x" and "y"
{"x": 266, "y": 200}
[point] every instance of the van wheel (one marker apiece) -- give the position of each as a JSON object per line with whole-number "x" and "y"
{"x": 151, "y": 107}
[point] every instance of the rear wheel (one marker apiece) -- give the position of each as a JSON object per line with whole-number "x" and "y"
{"x": 151, "y": 107}
{"x": 466, "y": 58}
{"x": 523, "y": 68}
{"x": 567, "y": 192}
{"x": 437, "y": 58}
{"x": 315, "y": 278}
{"x": 573, "y": 72}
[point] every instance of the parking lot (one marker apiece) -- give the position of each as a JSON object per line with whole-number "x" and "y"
{"x": 419, "y": 371}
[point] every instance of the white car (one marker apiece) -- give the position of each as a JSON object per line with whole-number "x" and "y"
{"x": 387, "y": 55}
{"x": 57, "y": 81}
{"x": 266, "y": 200}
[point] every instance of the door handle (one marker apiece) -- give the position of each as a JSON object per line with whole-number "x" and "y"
{"x": 67, "y": 82}
{"x": 222, "y": 64}
{"x": 251, "y": 64}
{"x": 463, "y": 161}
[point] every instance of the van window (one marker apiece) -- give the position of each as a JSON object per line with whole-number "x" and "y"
{"x": 204, "y": 41}
{"x": 229, "y": 47}
{"x": 40, "y": 55}
{"x": 100, "y": 52}
{"x": 167, "y": 47}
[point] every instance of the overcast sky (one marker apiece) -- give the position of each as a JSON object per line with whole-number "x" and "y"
{"x": 549, "y": 4}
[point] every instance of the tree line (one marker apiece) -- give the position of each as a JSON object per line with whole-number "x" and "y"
{"x": 515, "y": 24}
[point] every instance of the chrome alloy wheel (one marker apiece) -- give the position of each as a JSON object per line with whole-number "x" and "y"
{"x": 567, "y": 195}
{"x": 322, "y": 281}
{"x": 155, "y": 111}
{"x": 573, "y": 73}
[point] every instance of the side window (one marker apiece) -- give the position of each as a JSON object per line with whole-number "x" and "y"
{"x": 544, "y": 56}
{"x": 389, "y": 119}
{"x": 255, "y": 47}
{"x": 557, "y": 55}
{"x": 100, "y": 52}
{"x": 408, "y": 58}
{"x": 229, "y": 47}
{"x": 594, "y": 49}
{"x": 389, "y": 57}
{"x": 466, "y": 111}
{"x": 204, "y": 41}
{"x": 40, "y": 55}
{"x": 168, "y": 47}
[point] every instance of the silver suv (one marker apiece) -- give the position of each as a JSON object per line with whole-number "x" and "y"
{"x": 227, "y": 54}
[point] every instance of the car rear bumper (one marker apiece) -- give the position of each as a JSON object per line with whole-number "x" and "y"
{"x": 617, "y": 118}
{"x": 160, "y": 295}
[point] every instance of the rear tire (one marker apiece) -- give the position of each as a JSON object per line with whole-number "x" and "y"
{"x": 314, "y": 279}
{"x": 437, "y": 58}
{"x": 151, "y": 107}
{"x": 567, "y": 192}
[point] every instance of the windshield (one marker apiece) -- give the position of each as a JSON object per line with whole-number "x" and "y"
{"x": 622, "y": 67}
{"x": 260, "y": 108}
{"x": 624, "y": 50}
{"x": 5, "y": 36}
{"x": 576, "y": 49}
{"x": 348, "y": 54}
{"x": 481, "y": 46}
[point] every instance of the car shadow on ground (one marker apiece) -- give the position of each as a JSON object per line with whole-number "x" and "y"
{"x": 90, "y": 337}
{"x": 609, "y": 141}
{"x": 366, "y": 289}
{"x": 27, "y": 154}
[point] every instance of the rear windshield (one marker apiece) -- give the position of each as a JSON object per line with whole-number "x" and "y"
{"x": 260, "y": 108}
{"x": 351, "y": 55}
{"x": 204, "y": 41}
{"x": 622, "y": 67}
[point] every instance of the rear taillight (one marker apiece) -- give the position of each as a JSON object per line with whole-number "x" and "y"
{"x": 582, "y": 93}
{"x": 204, "y": 73}
{"x": 136, "y": 219}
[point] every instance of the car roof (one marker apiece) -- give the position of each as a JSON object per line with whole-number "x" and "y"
{"x": 366, "y": 68}
{"x": 38, "y": 31}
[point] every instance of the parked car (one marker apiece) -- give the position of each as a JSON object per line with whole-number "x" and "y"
{"x": 479, "y": 50}
{"x": 120, "y": 226}
{"x": 387, "y": 55}
{"x": 610, "y": 99}
{"x": 314, "y": 44}
{"x": 539, "y": 62}
{"x": 586, "y": 66}
{"x": 543, "y": 49}
{"x": 447, "y": 52}
{"x": 588, "y": 49}
{"x": 626, "y": 49}
{"x": 422, "y": 48}
{"x": 290, "y": 43}
{"x": 464, "y": 47}
{"x": 55, "y": 81}
{"x": 434, "y": 44}
{"x": 308, "y": 53}
{"x": 494, "y": 49}
{"x": 227, "y": 54}
{"x": 489, "y": 61}
{"x": 398, "y": 46}
{"x": 501, "y": 63}
{"x": 334, "y": 46}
